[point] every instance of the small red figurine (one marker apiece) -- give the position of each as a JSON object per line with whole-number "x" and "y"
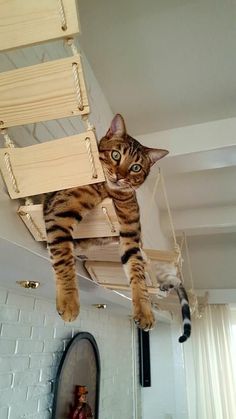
{"x": 81, "y": 409}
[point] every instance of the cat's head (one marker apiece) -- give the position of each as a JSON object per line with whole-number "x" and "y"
{"x": 125, "y": 161}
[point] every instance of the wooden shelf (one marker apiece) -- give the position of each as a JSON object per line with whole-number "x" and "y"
{"x": 108, "y": 270}
{"x": 26, "y": 22}
{"x": 51, "y": 166}
{"x": 42, "y": 92}
{"x": 111, "y": 275}
{"x": 94, "y": 225}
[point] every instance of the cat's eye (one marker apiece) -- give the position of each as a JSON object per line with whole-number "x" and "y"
{"x": 115, "y": 155}
{"x": 136, "y": 168}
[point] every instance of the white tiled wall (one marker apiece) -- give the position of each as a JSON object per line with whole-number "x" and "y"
{"x": 32, "y": 341}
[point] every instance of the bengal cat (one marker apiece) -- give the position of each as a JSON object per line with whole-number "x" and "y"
{"x": 126, "y": 164}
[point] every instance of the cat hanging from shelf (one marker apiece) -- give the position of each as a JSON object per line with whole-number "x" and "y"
{"x": 126, "y": 164}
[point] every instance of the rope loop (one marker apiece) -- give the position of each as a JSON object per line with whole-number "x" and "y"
{"x": 62, "y": 15}
{"x": 71, "y": 43}
{"x": 32, "y": 223}
{"x": 87, "y": 123}
{"x": 11, "y": 173}
{"x": 77, "y": 85}
{"x": 91, "y": 158}
{"x": 85, "y": 119}
{"x": 8, "y": 141}
{"x": 105, "y": 212}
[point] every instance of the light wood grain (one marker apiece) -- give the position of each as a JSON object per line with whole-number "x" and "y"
{"x": 41, "y": 92}
{"x": 51, "y": 166}
{"x": 25, "y": 22}
{"x": 93, "y": 225}
{"x": 111, "y": 253}
{"x": 111, "y": 275}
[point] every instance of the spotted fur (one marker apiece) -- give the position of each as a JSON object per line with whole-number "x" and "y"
{"x": 167, "y": 277}
{"x": 126, "y": 164}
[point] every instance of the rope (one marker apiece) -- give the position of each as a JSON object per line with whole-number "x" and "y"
{"x": 189, "y": 262}
{"x": 77, "y": 85}
{"x": 11, "y": 173}
{"x": 75, "y": 52}
{"x": 70, "y": 42}
{"x": 87, "y": 123}
{"x": 32, "y": 223}
{"x": 112, "y": 227}
{"x": 157, "y": 181}
{"x": 169, "y": 214}
{"x": 91, "y": 158}
{"x": 8, "y": 142}
{"x": 62, "y": 15}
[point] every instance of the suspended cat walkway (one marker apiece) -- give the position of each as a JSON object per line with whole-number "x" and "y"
{"x": 43, "y": 92}
{"x": 48, "y": 91}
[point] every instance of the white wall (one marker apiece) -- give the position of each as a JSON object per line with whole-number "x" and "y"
{"x": 166, "y": 398}
{"x": 32, "y": 341}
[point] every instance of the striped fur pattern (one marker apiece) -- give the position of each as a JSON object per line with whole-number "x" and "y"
{"x": 167, "y": 277}
{"x": 126, "y": 165}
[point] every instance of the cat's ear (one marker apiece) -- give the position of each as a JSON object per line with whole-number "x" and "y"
{"x": 117, "y": 127}
{"x": 155, "y": 154}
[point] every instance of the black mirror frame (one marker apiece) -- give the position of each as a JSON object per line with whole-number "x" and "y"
{"x": 78, "y": 337}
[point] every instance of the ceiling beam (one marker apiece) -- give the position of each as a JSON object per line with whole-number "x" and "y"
{"x": 194, "y": 138}
{"x": 201, "y": 221}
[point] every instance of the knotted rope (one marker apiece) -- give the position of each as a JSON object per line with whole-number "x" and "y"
{"x": 91, "y": 158}
{"x": 112, "y": 227}
{"x": 62, "y": 15}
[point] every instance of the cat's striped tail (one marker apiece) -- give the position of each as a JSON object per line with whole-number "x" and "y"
{"x": 183, "y": 298}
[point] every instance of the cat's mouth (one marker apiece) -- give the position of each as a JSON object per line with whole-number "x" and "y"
{"x": 119, "y": 184}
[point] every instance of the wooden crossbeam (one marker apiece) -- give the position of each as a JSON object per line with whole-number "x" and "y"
{"x": 111, "y": 253}
{"x": 111, "y": 273}
{"x": 95, "y": 224}
{"x": 26, "y": 22}
{"x": 42, "y": 92}
{"x": 51, "y": 166}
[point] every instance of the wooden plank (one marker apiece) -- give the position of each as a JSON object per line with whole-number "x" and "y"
{"x": 111, "y": 253}
{"x": 50, "y": 166}
{"x": 169, "y": 303}
{"x": 41, "y": 92}
{"x": 93, "y": 225}
{"x": 112, "y": 275}
{"x": 168, "y": 256}
{"x": 25, "y": 22}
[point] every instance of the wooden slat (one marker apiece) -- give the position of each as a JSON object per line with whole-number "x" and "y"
{"x": 111, "y": 253}
{"x": 50, "y": 166}
{"x": 110, "y": 273}
{"x": 168, "y": 256}
{"x": 41, "y": 92}
{"x": 25, "y": 22}
{"x": 170, "y": 303}
{"x": 93, "y": 225}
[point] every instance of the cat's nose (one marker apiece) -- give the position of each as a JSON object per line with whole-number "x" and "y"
{"x": 119, "y": 176}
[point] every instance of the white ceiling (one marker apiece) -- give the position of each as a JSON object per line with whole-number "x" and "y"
{"x": 163, "y": 63}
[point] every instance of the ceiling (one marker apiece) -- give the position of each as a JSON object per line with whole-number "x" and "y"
{"x": 163, "y": 63}
{"x": 169, "y": 68}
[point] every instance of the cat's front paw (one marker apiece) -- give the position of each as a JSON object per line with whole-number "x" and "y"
{"x": 68, "y": 307}
{"x": 143, "y": 315}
